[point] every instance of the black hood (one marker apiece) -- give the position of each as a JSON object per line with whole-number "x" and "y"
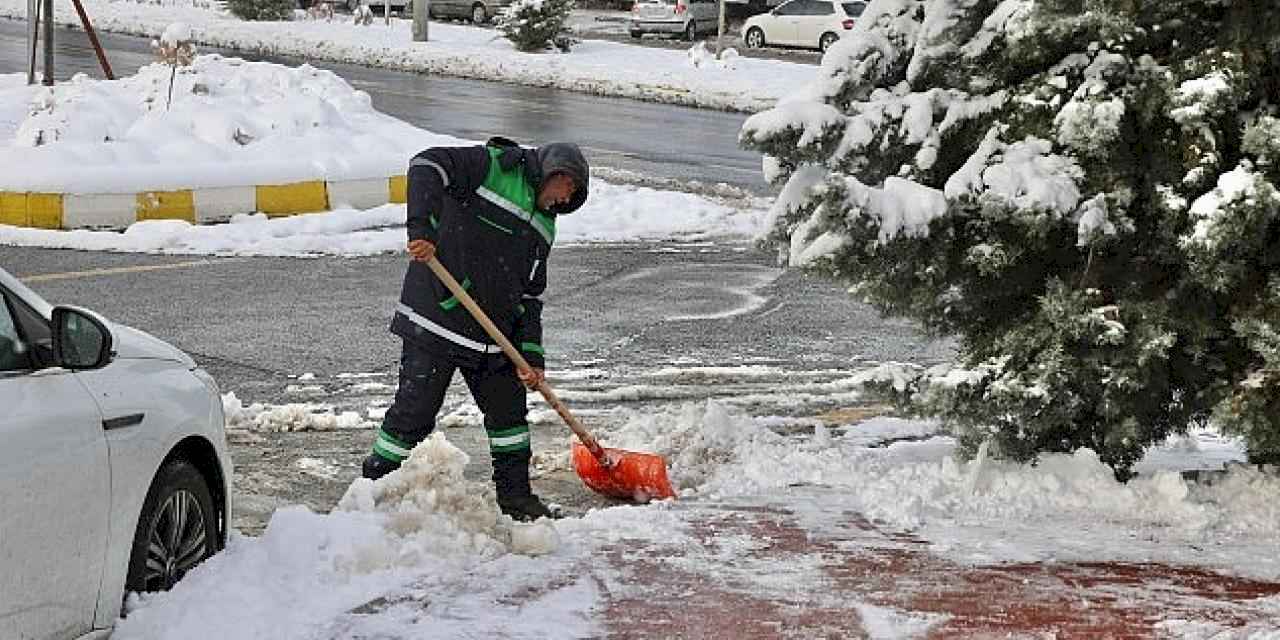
{"x": 566, "y": 158}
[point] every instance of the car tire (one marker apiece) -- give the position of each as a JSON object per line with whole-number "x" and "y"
{"x": 179, "y": 516}
{"x": 691, "y": 31}
{"x": 636, "y": 34}
{"x": 754, "y": 38}
{"x": 827, "y": 40}
{"x": 479, "y": 15}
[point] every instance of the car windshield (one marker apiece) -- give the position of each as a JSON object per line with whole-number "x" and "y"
{"x": 853, "y": 8}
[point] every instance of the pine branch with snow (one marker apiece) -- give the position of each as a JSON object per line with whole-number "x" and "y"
{"x": 1084, "y": 192}
{"x": 536, "y": 25}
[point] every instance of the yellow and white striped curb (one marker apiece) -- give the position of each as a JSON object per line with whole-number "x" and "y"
{"x": 198, "y": 206}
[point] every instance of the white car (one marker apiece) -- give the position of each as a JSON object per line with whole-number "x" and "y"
{"x": 802, "y": 23}
{"x": 114, "y": 473}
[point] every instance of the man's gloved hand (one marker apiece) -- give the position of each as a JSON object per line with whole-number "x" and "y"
{"x": 421, "y": 250}
{"x": 531, "y": 377}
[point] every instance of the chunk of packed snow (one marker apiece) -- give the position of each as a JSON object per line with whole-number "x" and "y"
{"x": 288, "y": 417}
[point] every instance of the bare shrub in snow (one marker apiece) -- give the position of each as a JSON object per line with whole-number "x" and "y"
{"x": 277, "y": 10}
{"x": 536, "y": 25}
{"x": 1086, "y": 198}
{"x": 174, "y": 48}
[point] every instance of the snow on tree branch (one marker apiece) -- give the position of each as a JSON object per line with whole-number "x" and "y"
{"x": 1083, "y": 191}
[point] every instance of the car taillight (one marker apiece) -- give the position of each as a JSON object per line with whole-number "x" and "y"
{"x": 681, "y": 8}
{"x": 635, "y": 8}
{"x": 847, "y": 24}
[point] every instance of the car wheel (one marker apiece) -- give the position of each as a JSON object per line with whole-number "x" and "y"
{"x": 177, "y": 530}
{"x": 826, "y": 41}
{"x": 636, "y": 34}
{"x": 755, "y": 38}
{"x": 478, "y": 14}
{"x": 691, "y": 31}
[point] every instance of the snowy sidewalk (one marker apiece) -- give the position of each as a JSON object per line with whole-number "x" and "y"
{"x": 870, "y": 529}
{"x": 593, "y": 66}
{"x": 757, "y": 572}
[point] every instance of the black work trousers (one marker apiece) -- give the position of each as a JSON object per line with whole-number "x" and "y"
{"x": 425, "y": 376}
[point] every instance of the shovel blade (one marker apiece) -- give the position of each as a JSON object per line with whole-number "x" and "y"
{"x": 633, "y": 476}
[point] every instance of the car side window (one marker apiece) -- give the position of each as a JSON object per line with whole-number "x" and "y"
{"x": 793, "y": 8}
{"x": 14, "y": 354}
{"x": 819, "y": 8}
{"x": 854, "y": 9}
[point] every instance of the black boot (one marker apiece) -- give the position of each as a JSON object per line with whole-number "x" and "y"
{"x": 525, "y": 508}
{"x": 376, "y": 466}
{"x": 515, "y": 497}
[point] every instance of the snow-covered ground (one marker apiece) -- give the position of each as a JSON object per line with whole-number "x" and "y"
{"x": 422, "y": 553}
{"x": 593, "y": 66}
{"x": 243, "y": 123}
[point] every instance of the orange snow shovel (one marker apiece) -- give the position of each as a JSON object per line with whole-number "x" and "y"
{"x": 626, "y": 475}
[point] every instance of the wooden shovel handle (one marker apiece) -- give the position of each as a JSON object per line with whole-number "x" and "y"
{"x": 545, "y": 389}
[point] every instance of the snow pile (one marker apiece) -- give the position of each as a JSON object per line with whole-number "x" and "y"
{"x": 288, "y": 417}
{"x": 423, "y": 521}
{"x": 231, "y": 123}
{"x": 235, "y": 123}
{"x": 903, "y": 473}
{"x": 594, "y": 66}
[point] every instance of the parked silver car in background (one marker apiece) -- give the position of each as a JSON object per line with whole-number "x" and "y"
{"x": 477, "y": 11}
{"x": 114, "y": 473}
{"x": 687, "y": 18}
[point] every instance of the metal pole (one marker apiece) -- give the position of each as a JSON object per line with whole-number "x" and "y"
{"x": 93, "y": 38}
{"x": 48, "y": 43}
{"x": 386, "y": 12}
{"x": 719, "y": 32}
{"x": 33, "y": 38}
{"x": 421, "y": 13}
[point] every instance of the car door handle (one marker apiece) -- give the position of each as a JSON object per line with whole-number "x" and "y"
{"x": 123, "y": 421}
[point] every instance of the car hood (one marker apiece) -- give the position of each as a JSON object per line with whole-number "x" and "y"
{"x": 133, "y": 344}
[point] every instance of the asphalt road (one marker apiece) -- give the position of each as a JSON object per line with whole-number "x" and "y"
{"x": 631, "y": 330}
{"x": 673, "y": 142}
{"x": 259, "y": 322}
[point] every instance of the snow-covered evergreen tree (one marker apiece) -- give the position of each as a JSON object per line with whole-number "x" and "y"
{"x": 1084, "y": 192}
{"x": 536, "y": 25}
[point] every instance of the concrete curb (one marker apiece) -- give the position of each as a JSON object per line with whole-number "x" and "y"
{"x": 115, "y": 211}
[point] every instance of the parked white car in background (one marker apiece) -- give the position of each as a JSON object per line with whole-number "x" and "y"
{"x": 114, "y": 473}
{"x": 685, "y": 17}
{"x": 802, "y": 23}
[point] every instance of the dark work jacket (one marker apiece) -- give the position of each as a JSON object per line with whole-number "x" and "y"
{"x": 478, "y": 205}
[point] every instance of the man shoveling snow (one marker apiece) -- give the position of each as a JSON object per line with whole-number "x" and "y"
{"x": 491, "y": 211}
